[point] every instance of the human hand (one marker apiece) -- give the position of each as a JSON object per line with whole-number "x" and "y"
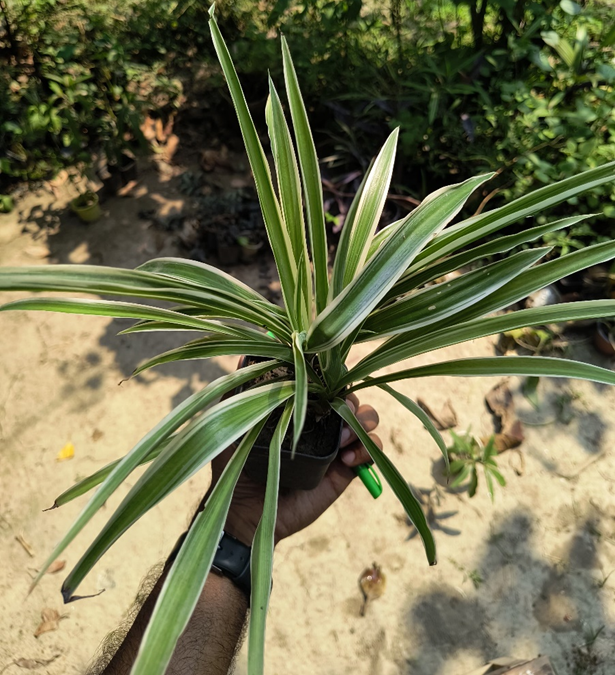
{"x": 298, "y": 508}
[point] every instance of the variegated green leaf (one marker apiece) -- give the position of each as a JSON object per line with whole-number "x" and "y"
{"x": 289, "y": 189}
{"x": 441, "y": 301}
{"x": 301, "y": 388}
{"x": 196, "y": 445}
{"x": 357, "y": 300}
{"x": 99, "y": 280}
{"x": 457, "y": 237}
{"x": 406, "y": 346}
{"x": 121, "y": 310}
{"x": 262, "y": 551}
{"x": 209, "y": 347}
{"x": 369, "y": 210}
{"x": 150, "y": 442}
{"x": 339, "y": 264}
{"x": 436, "y": 270}
{"x": 278, "y": 236}
{"x": 499, "y": 366}
{"x": 423, "y": 417}
{"x": 201, "y": 275}
{"x": 399, "y": 486}
{"x": 184, "y": 584}
{"x": 310, "y": 173}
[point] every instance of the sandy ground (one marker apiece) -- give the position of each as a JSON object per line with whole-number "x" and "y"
{"x": 524, "y": 576}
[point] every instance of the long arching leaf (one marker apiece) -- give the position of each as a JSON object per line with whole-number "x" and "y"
{"x": 441, "y": 301}
{"x": 540, "y": 366}
{"x": 339, "y": 264}
{"x": 196, "y": 445}
{"x": 289, "y": 189}
{"x": 310, "y": 173}
{"x": 301, "y": 389}
{"x": 91, "y": 481}
{"x": 423, "y": 417}
{"x": 278, "y": 236}
{"x": 501, "y": 245}
{"x": 405, "y": 347}
{"x": 357, "y": 300}
{"x": 210, "y": 347}
{"x": 201, "y": 275}
{"x": 186, "y": 580}
{"x": 477, "y": 227}
{"x": 369, "y": 210}
{"x": 399, "y": 486}
{"x": 152, "y": 440}
{"x": 99, "y": 280}
{"x": 262, "y": 551}
{"x": 121, "y": 310}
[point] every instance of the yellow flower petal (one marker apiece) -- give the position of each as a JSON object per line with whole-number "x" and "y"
{"x": 67, "y": 452}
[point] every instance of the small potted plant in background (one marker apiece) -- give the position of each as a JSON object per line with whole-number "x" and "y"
{"x": 249, "y": 248}
{"x": 121, "y": 137}
{"x": 383, "y": 289}
{"x": 86, "y": 206}
{"x": 6, "y": 204}
{"x": 120, "y": 168}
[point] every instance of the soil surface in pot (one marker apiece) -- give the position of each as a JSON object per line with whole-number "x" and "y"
{"x": 84, "y": 200}
{"x": 321, "y": 433}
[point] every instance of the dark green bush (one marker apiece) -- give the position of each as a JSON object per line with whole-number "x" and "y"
{"x": 69, "y": 88}
{"x": 523, "y": 88}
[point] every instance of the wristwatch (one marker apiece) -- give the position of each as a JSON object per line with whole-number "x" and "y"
{"x": 232, "y": 560}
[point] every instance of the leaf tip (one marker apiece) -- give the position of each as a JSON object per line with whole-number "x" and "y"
{"x": 34, "y": 584}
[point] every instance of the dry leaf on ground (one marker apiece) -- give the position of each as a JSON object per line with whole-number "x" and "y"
{"x": 50, "y": 621}
{"x": 27, "y": 548}
{"x": 30, "y": 664}
{"x": 444, "y": 419}
{"x": 38, "y": 252}
{"x": 372, "y": 583}
{"x": 511, "y": 437}
{"x": 56, "y": 566}
{"x": 499, "y": 400}
{"x": 170, "y": 147}
{"x": 33, "y": 664}
{"x": 67, "y": 452}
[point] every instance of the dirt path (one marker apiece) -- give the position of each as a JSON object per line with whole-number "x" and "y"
{"x": 527, "y": 575}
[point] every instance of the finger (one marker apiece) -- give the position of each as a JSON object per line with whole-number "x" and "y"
{"x": 353, "y": 401}
{"x": 356, "y": 454}
{"x": 340, "y": 474}
{"x": 368, "y": 419}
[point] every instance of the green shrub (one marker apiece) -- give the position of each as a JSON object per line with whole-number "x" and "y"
{"x": 473, "y": 86}
{"x": 68, "y": 89}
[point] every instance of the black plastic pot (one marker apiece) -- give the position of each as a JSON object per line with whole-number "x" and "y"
{"x": 603, "y": 339}
{"x": 117, "y": 175}
{"x": 217, "y": 244}
{"x": 304, "y": 471}
{"x": 128, "y": 169}
{"x": 111, "y": 180}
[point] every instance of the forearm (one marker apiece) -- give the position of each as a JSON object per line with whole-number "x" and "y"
{"x": 210, "y": 641}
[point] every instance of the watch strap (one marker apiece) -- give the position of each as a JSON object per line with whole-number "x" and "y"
{"x": 232, "y": 560}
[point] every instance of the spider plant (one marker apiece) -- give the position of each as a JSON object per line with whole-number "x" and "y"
{"x": 384, "y": 289}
